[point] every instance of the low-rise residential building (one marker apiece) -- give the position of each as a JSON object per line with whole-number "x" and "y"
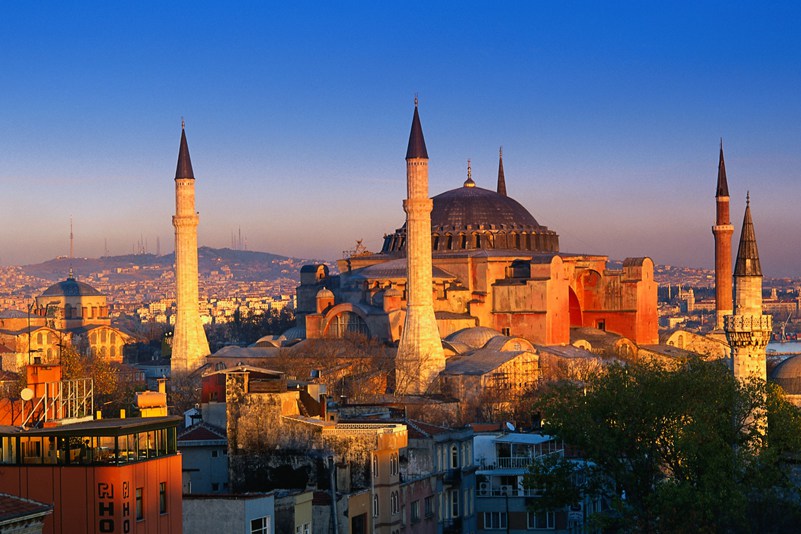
{"x": 502, "y": 500}
{"x": 245, "y": 513}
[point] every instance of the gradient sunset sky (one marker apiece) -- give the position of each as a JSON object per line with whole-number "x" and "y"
{"x": 297, "y": 118}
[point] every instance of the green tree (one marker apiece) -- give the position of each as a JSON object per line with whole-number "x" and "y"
{"x": 680, "y": 450}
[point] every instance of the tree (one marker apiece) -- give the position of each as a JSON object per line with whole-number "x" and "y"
{"x": 114, "y": 387}
{"x": 673, "y": 450}
{"x": 245, "y": 329}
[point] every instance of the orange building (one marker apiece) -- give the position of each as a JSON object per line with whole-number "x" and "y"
{"x": 101, "y": 476}
{"x": 492, "y": 265}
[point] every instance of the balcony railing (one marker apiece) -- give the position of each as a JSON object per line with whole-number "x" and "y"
{"x": 513, "y": 462}
{"x": 507, "y": 491}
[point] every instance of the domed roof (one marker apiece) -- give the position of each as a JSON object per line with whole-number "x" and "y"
{"x": 295, "y": 332}
{"x": 325, "y": 293}
{"x": 475, "y": 337}
{"x": 477, "y": 206}
{"x": 71, "y": 288}
{"x": 788, "y": 375}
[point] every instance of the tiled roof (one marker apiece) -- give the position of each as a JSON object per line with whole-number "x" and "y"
{"x": 13, "y": 507}
{"x": 202, "y": 432}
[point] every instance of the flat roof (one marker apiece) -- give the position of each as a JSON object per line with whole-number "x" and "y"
{"x": 98, "y": 427}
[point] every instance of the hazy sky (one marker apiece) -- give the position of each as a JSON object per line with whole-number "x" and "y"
{"x": 297, "y": 118}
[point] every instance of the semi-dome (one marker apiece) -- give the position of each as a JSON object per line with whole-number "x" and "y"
{"x": 71, "y": 288}
{"x": 474, "y": 337}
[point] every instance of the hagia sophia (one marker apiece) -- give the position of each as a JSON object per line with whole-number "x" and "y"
{"x": 498, "y": 285}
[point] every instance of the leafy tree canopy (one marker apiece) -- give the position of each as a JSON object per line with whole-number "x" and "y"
{"x": 682, "y": 450}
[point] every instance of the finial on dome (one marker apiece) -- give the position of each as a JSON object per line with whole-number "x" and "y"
{"x": 415, "y": 100}
{"x": 469, "y": 182}
{"x": 70, "y": 276}
{"x": 183, "y": 124}
{"x": 747, "y": 198}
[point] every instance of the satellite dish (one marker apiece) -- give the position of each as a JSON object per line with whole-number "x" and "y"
{"x": 510, "y": 427}
{"x": 26, "y": 394}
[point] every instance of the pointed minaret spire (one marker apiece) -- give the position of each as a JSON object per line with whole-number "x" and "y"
{"x": 723, "y": 231}
{"x": 748, "y": 330}
{"x": 501, "y": 177}
{"x": 189, "y": 344}
{"x": 184, "y": 169}
{"x": 747, "y": 254}
{"x": 417, "y": 145}
{"x": 723, "y": 185}
{"x": 469, "y": 182}
{"x": 420, "y": 357}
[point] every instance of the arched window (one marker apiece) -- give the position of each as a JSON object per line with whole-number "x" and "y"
{"x": 435, "y": 244}
{"x": 347, "y": 322}
{"x": 393, "y": 502}
{"x": 113, "y": 338}
{"x": 375, "y": 466}
{"x": 454, "y": 457}
{"x": 464, "y": 241}
{"x": 103, "y": 336}
{"x": 93, "y": 338}
{"x": 375, "y": 505}
{"x": 478, "y": 240}
{"x": 49, "y": 353}
{"x": 102, "y": 352}
{"x": 39, "y": 338}
{"x": 112, "y": 351}
{"x": 449, "y": 243}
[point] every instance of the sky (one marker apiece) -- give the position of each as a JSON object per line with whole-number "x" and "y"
{"x": 298, "y": 114}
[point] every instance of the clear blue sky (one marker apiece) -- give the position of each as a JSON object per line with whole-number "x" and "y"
{"x": 298, "y": 117}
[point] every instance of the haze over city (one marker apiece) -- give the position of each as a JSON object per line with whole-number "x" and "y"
{"x": 609, "y": 117}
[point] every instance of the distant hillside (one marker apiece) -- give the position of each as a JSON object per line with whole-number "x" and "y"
{"x": 245, "y": 265}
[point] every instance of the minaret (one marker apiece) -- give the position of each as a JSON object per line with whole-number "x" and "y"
{"x": 420, "y": 356}
{"x": 501, "y": 177}
{"x": 747, "y": 330}
{"x": 722, "y": 231}
{"x": 189, "y": 344}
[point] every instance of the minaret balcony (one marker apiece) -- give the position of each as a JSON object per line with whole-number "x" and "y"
{"x": 748, "y": 323}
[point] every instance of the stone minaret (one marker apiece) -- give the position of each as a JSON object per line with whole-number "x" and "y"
{"x": 189, "y": 344}
{"x": 747, "y": 330}
{"x": 420, "y": 356}
{"x": 501, "y": 177}
{"x": 722, "y": 231}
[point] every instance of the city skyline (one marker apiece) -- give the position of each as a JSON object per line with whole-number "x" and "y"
{"x": 610, "y": 121}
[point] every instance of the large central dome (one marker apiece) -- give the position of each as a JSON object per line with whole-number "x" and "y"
{"x": 473, "y": 218}
{"x": 477, "y": 207}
